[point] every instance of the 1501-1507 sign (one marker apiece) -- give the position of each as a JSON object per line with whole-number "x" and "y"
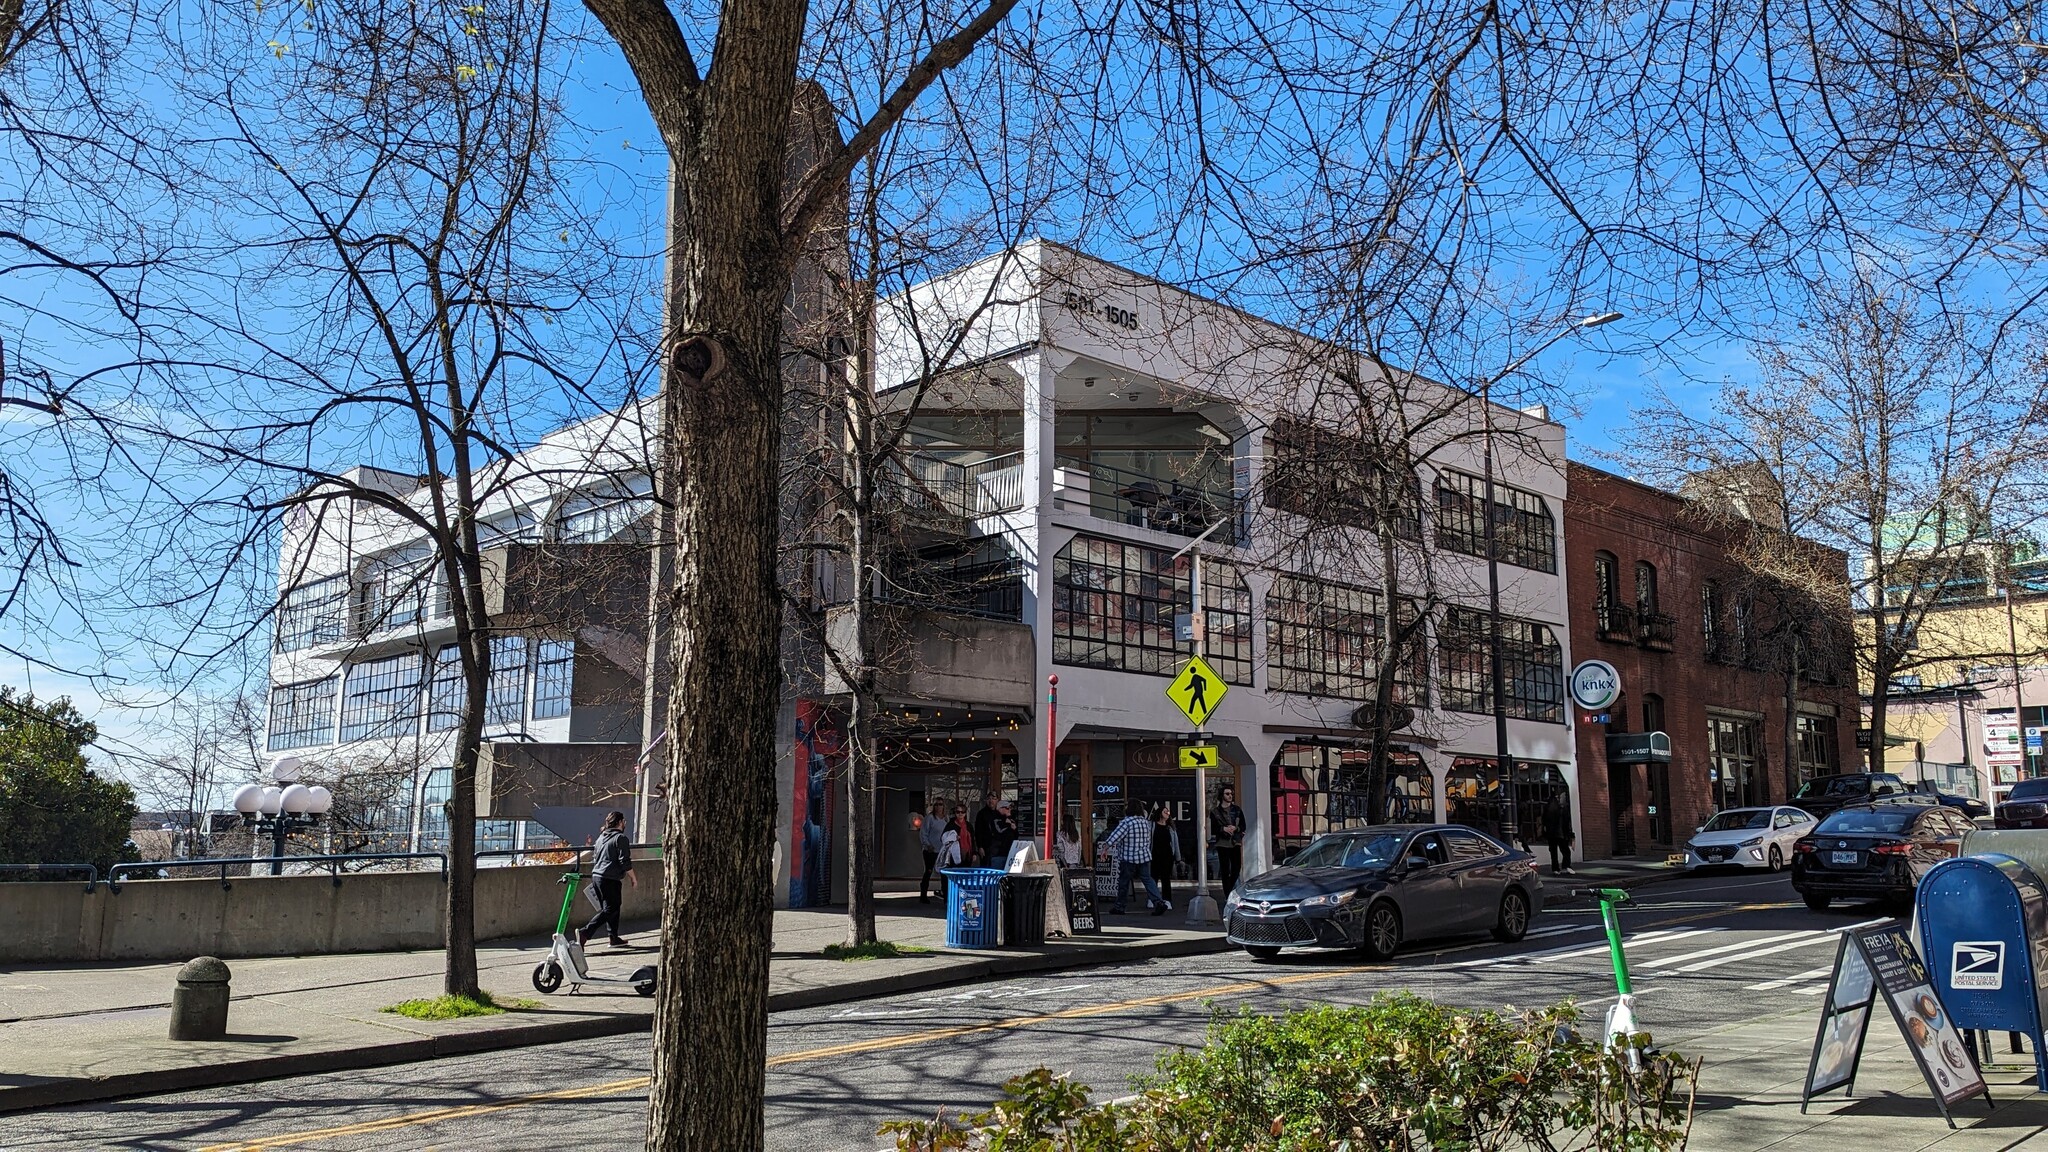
{"x": 1126, "y": 318}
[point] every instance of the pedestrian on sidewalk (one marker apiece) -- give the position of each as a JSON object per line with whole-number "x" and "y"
{"x": 1130, "y": 844}
{"x": 963, "y": 835}
{"x": 1067, "y": 845}
{"x": 1165, "y": 851}
{"x": 1226, "y": 823}
{"x": 1002, "y": 834}
{"x": 1557, "y": 829}
{"x": 952, "y": 849}
{"x": 611, "y": 864}
{"x": 984, "y": 831}
{"x": 931, "y": 835}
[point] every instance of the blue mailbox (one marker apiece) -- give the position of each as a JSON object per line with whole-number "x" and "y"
{"x": 1984, "y": 920}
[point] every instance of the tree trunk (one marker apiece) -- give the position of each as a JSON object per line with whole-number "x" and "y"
{"x": 1792, "y": 726}
{"x": 860, "y": 725}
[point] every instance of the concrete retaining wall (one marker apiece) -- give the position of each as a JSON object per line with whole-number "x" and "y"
{"x": 55, "y": 923}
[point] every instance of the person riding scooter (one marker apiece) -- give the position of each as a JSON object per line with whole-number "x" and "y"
{"x": 611, "y": 862}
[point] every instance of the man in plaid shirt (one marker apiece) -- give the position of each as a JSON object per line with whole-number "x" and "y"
{"x": 1130, "y": 843}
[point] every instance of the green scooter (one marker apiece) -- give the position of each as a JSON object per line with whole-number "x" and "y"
{"x": 1621, "y": 1019}
{"x": 565, "y": 956}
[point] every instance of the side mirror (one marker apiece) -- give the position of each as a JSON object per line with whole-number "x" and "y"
{"x": 1415, "y": 862}
{"x": 1700, "y": 828}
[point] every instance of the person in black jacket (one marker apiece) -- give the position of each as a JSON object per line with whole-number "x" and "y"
{"x": 1165, "y": 854}
{"x": 611, "y": 864}
{"x": 985, "y": 833}
{"x": 1557, "y": 831}
{"x": 1226, "y": 831}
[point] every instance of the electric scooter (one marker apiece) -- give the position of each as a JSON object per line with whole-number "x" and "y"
{"x": 565, "y": 956}
{"x": 1621, "y": 1018}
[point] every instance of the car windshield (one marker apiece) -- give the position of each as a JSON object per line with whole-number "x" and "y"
{"x": 1832, "y": 786}
{"x": 1350, "y": 852}
{"x": 1739, "y": 818}
{"x": 1868, "y": 820}
{"x": 2028, "y": 790}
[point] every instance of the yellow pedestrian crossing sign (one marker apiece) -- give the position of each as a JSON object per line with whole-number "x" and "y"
{"x": 1197, "y": 691}
{"x": 1199, "y": 756}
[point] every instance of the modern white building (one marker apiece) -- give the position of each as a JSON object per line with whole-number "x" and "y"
{"x": 1086, "y": 427}
{"x": 365, "y": 684}
{"x": 1091, "y": 425}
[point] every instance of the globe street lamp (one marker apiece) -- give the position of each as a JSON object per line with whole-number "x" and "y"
{"x": 281, "y": 808}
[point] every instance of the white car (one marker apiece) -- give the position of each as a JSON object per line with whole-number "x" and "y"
{"x": 1748, "y": 838}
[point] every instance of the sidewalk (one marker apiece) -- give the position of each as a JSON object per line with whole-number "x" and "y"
{"x": 72, "y": 1034}
{"x": 1749, "y": 1095}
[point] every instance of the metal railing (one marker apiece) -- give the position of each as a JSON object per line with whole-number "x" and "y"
{"x": 333, "y": 862}
{"x": 1615, "y": 622}
{"x": 1180, "y": 503}
{"x": 515, "y": 853}
{"x": 91, "y": 874}
{"x": 1656, "y": 630}
{"x": 937, "y": 486}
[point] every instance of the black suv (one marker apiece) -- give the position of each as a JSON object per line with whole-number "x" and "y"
{"x": 2026, "y": 806}
{"x": 1823, "y": 794}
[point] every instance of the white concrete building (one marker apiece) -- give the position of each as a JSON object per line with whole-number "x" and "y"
{"x": 1096, "y": 423}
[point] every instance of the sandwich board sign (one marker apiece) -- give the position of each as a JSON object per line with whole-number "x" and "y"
{"x": 1880, "y": 963}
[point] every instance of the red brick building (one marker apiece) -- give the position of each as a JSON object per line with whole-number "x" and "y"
{"x": 1655, "y": 593}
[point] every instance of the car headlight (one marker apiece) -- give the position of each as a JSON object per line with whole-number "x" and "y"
{"x": 1330, "y": 899}
{"x": 1752, "y": 842}
{"x": 1230, "y": 902}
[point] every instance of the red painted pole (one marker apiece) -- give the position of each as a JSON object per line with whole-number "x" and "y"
{"x": 1051, "y": 805}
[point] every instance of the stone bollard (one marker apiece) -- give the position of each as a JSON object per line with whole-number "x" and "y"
{"x": 199, "y": 1008}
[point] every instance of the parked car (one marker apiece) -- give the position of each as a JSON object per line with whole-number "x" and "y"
{"x": 1748, "y": 838}
{"x": 2026, "y": 806}
{"x": 1823, "y": 794}
{"x": 1969, "y": 806}
{"x": 1373, "y": 888}
{"x": 1875, "y": 851}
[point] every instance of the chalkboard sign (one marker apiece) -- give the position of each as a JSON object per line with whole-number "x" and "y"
{"x": 1079, "y": 884}
{"x": 1880, "y": 962}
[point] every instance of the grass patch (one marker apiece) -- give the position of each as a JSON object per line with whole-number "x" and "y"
{"x": 457, "y": 1007}
{"x": 879, "y": 950}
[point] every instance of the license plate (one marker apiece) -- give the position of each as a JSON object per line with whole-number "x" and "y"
{"x": 1841, "y": 857}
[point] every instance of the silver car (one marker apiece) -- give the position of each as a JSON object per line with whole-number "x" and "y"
{"x": 1748, "y": 838}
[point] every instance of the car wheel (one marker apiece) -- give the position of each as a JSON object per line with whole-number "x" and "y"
{"x": 1382, "y": 931}
{"x": 1262, "y": 953}
{"x": 1777, "y": 858}
{"x": 1817, "y": 901}
{"x": 1513, "y": 923}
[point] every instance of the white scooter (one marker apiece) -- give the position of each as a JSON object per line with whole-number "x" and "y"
{"x": 565, "y": 956}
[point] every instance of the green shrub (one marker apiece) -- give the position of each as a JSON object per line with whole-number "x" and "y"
{"x": 1401, "y": 1074}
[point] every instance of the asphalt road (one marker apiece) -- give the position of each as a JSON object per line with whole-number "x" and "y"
{"x": 1705, "y": 952}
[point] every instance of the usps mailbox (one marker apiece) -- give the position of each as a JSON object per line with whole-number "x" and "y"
{"x": 1984, "y": 920}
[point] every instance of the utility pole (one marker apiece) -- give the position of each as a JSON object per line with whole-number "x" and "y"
{"x": 1201, "y": 909}
{"x": 2019, "y": 694}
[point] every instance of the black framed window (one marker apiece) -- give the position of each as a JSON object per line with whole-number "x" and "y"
{"x": 1114, "y": 604}
{"x": 1523, "y": 528}
{"x": 1653, "y": 713}
{"x": 315, "y": 612}
{"x": 1646, "y": 587}
{"x": 1532, "y": 666}
{"x": 1325, "y": 639}
{"x": 1319, "y": 788}
{"x": 1606, "y": 586}
{"x": 554, "y": 675}
{"x": 1736, "y": 762}
{"x": 301, "y": 715}
{"x": 1819, "y": 754}
{"x": 1330, "y": 478}
{"x": 381, "y": 698}
{"x": 396, "y": 592}
{"x": 1710, "y": 617}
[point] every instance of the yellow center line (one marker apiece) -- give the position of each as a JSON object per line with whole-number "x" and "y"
{"x": 879, "y": 1044}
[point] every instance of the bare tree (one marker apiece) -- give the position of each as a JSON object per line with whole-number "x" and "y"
{"x": 1890, "y": 429}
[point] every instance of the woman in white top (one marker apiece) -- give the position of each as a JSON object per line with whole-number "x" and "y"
{"x": 1067, "y": 845}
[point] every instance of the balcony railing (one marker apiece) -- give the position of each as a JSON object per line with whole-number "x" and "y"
{"x": 1615, "y": 622}
{"x": 934, "y": 486}
{"x": 1184, "y": 506}
{"x": 1655, "y": 630}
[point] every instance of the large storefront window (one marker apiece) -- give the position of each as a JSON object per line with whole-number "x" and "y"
{"x": 1321, "y": 788}
{"x": 1734, "y": 751}
{"x": 1818, "y": 753}
{"x": 1532, "y": 666}
{"x": 1523, "y": 529}
{"x": 1324, "y": 639}
{"x": 1473, "y": 795}
{"x": 1114, "y": 604}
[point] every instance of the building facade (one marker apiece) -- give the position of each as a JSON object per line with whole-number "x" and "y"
{"x": 1098, "y": 429}
{"x": 1701, "y": 651}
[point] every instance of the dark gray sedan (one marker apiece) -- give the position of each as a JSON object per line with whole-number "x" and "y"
{"x": 1372, "y": 888}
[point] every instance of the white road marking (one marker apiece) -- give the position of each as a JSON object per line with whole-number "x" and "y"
{"x": 1569, "y": 950}
{"x": 1787, "y": 947}
{"x": 1774, "y": 985}
{"x": 1810, "y": 934}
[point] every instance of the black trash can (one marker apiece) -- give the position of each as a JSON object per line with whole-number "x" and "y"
{"x": 1024, "y": 907}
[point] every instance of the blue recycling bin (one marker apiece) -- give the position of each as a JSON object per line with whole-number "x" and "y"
{"x": 971, "y": 899}
{"x": 1984, "y": 924}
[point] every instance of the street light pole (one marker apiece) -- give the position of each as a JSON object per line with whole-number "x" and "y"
{"x": 1201, "y": 909}
{"x": 2019, "y": 694}
{"x": 1503, "y": 760}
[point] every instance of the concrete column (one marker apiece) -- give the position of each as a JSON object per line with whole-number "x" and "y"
{"x": 1263, "y": 748}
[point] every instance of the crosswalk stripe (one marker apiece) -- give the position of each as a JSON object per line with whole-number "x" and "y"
{"x": 1546, "y": 955}
{"x": 1787, "y": 947}
{"x": 1774, "y": 985}
{"x": 1811, "y": 934}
